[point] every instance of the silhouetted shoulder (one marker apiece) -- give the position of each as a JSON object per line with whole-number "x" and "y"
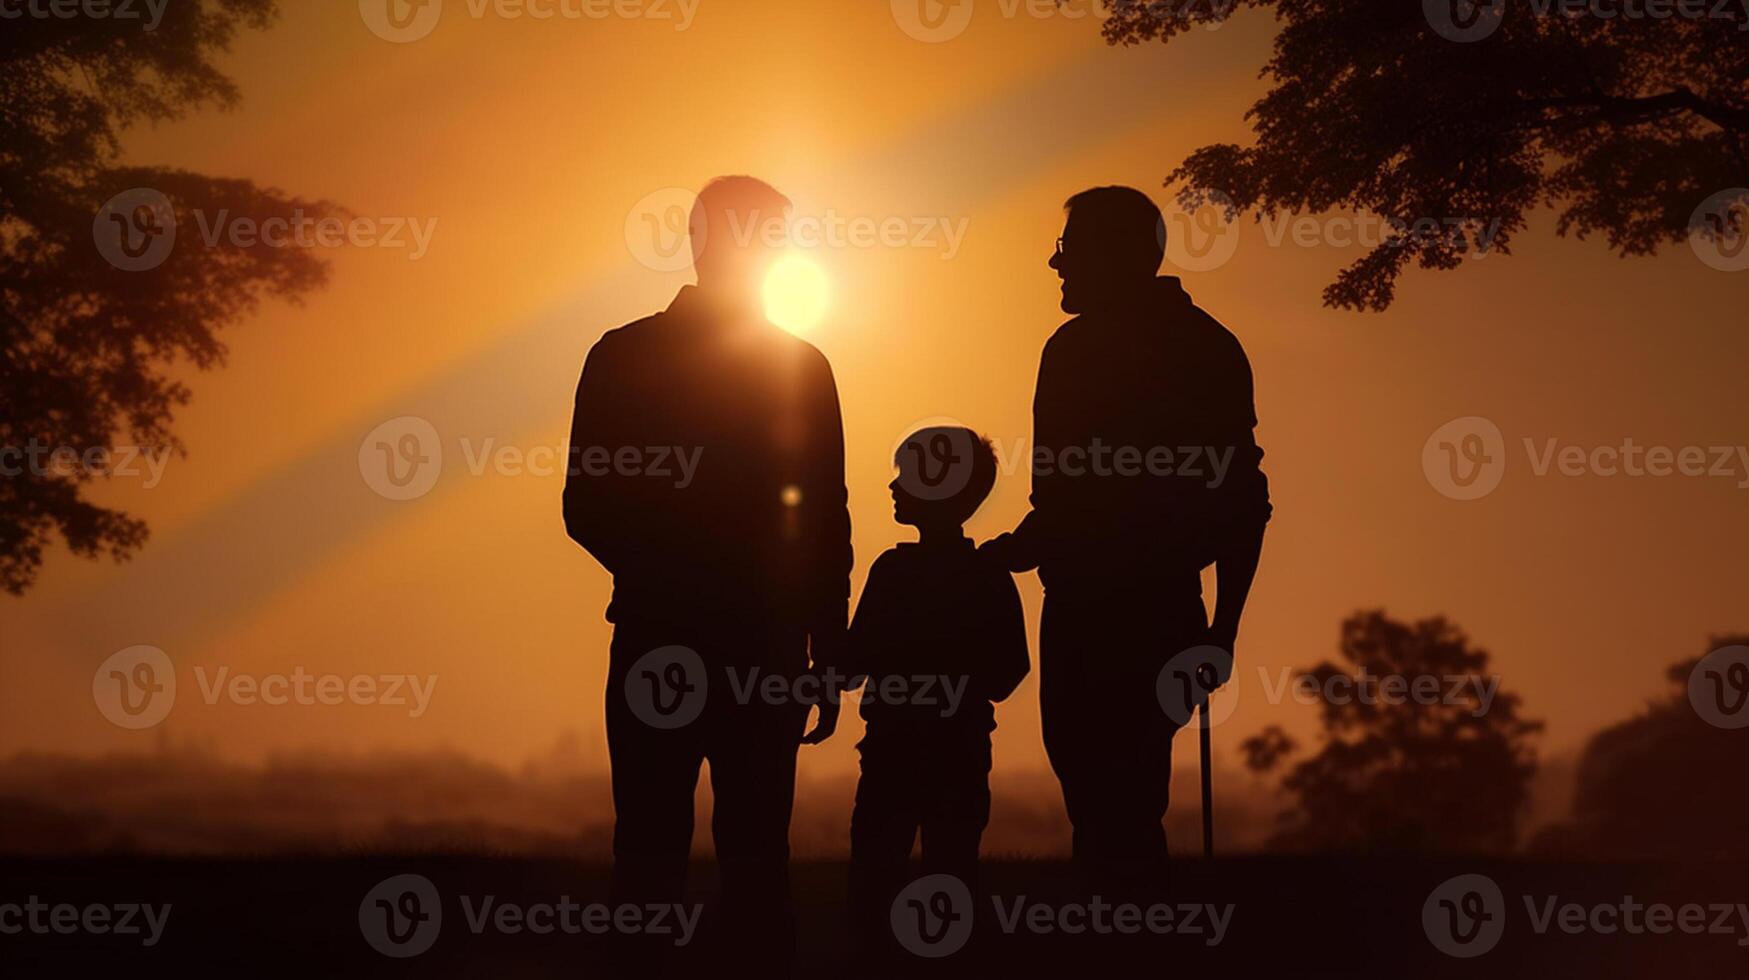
{"x": 622, "y": 338}
{"x": 1071, "y": 330}
{"x": 802, "y": 353}
{"x": 1218, "y": 344}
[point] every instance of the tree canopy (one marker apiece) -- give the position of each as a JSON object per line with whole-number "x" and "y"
{"x": 92, "y": 312}
{"x": 1479, "y": 110}
{"x": 1422, "y": 750}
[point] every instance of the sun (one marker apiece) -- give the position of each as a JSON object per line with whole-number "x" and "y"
{"x": 796, "y": 294}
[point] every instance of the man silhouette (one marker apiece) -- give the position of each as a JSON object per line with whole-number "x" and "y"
{"x": 733, "y": 573}
{"x": 1145, "y": 471}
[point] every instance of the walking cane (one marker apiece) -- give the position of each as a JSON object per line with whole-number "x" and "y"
{"x": 1208, "y": 792}
{"x": 1208, "y": 789}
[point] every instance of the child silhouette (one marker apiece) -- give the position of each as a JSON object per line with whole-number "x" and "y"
{"x": 939, "y": 635}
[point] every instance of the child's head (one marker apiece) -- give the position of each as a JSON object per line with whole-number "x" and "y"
{"x": 945, "y": 472}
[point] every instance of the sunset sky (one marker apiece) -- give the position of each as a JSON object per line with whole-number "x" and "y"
{"x": 538, "y": 145}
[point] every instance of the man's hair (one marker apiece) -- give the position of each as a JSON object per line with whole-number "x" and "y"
{"x": 729, "y": 208}
{"x": 979, "y": 480}
{"x": 1127, "y": 225}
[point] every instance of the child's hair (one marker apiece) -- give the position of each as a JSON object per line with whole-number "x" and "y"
{"x": 971, "y": 473}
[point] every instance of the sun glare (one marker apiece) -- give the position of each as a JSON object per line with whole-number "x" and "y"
{"x": 796, "y": 294}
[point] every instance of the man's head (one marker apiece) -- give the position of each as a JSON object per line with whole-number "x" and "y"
{"x": 737, "y": 227}
{"x": 1112, "y": 246}
{"x": 945, "y": 472}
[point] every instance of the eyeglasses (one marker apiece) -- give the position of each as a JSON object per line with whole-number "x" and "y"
{"x": 1060, "y": 248}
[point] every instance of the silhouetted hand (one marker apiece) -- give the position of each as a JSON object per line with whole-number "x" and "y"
{"x": 827, "y": 723}
{"x": 1215, "y": 674}
{"x": 1004, "y": 549}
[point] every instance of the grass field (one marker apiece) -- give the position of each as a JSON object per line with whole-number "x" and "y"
{"x": 1289, "y": 917}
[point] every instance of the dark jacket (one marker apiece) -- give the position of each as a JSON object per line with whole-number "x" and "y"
{"x": 760, "y": 534}
{"x": 941, "y": 612}
{"x": 1164, "y": 392}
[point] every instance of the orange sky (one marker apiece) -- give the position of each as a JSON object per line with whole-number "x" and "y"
{"x": 530, "y": 141}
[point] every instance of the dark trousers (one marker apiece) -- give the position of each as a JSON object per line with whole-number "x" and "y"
{"x": 1108, "y": 738}
{"x": 937, "y": 787}
{"x": 752, "y": 752}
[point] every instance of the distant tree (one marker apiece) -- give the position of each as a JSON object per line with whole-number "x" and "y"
{"x": 84, "y": 343}
{"x": 1397, "y": 773}
{"x": 1626, "y": 126}
{"x": 1666, "y": 784}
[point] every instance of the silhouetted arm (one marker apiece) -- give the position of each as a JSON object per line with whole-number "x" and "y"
{"x": 827, "y": 506}
{"x": 1235, "y": 569}
{"x": 1008, "y": 659}
{"x": 872, "y": 628}
{"x": 592, "y": 508}
{"x": 1242, "y": 507}
{"x": 1025, "y": 548}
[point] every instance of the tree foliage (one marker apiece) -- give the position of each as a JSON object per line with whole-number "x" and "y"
{"x": 1666, "y": 784}
{"x": 1396, "y": 773}
{"x": 1626, "y": 126}
{"x": 86, "y": 346}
